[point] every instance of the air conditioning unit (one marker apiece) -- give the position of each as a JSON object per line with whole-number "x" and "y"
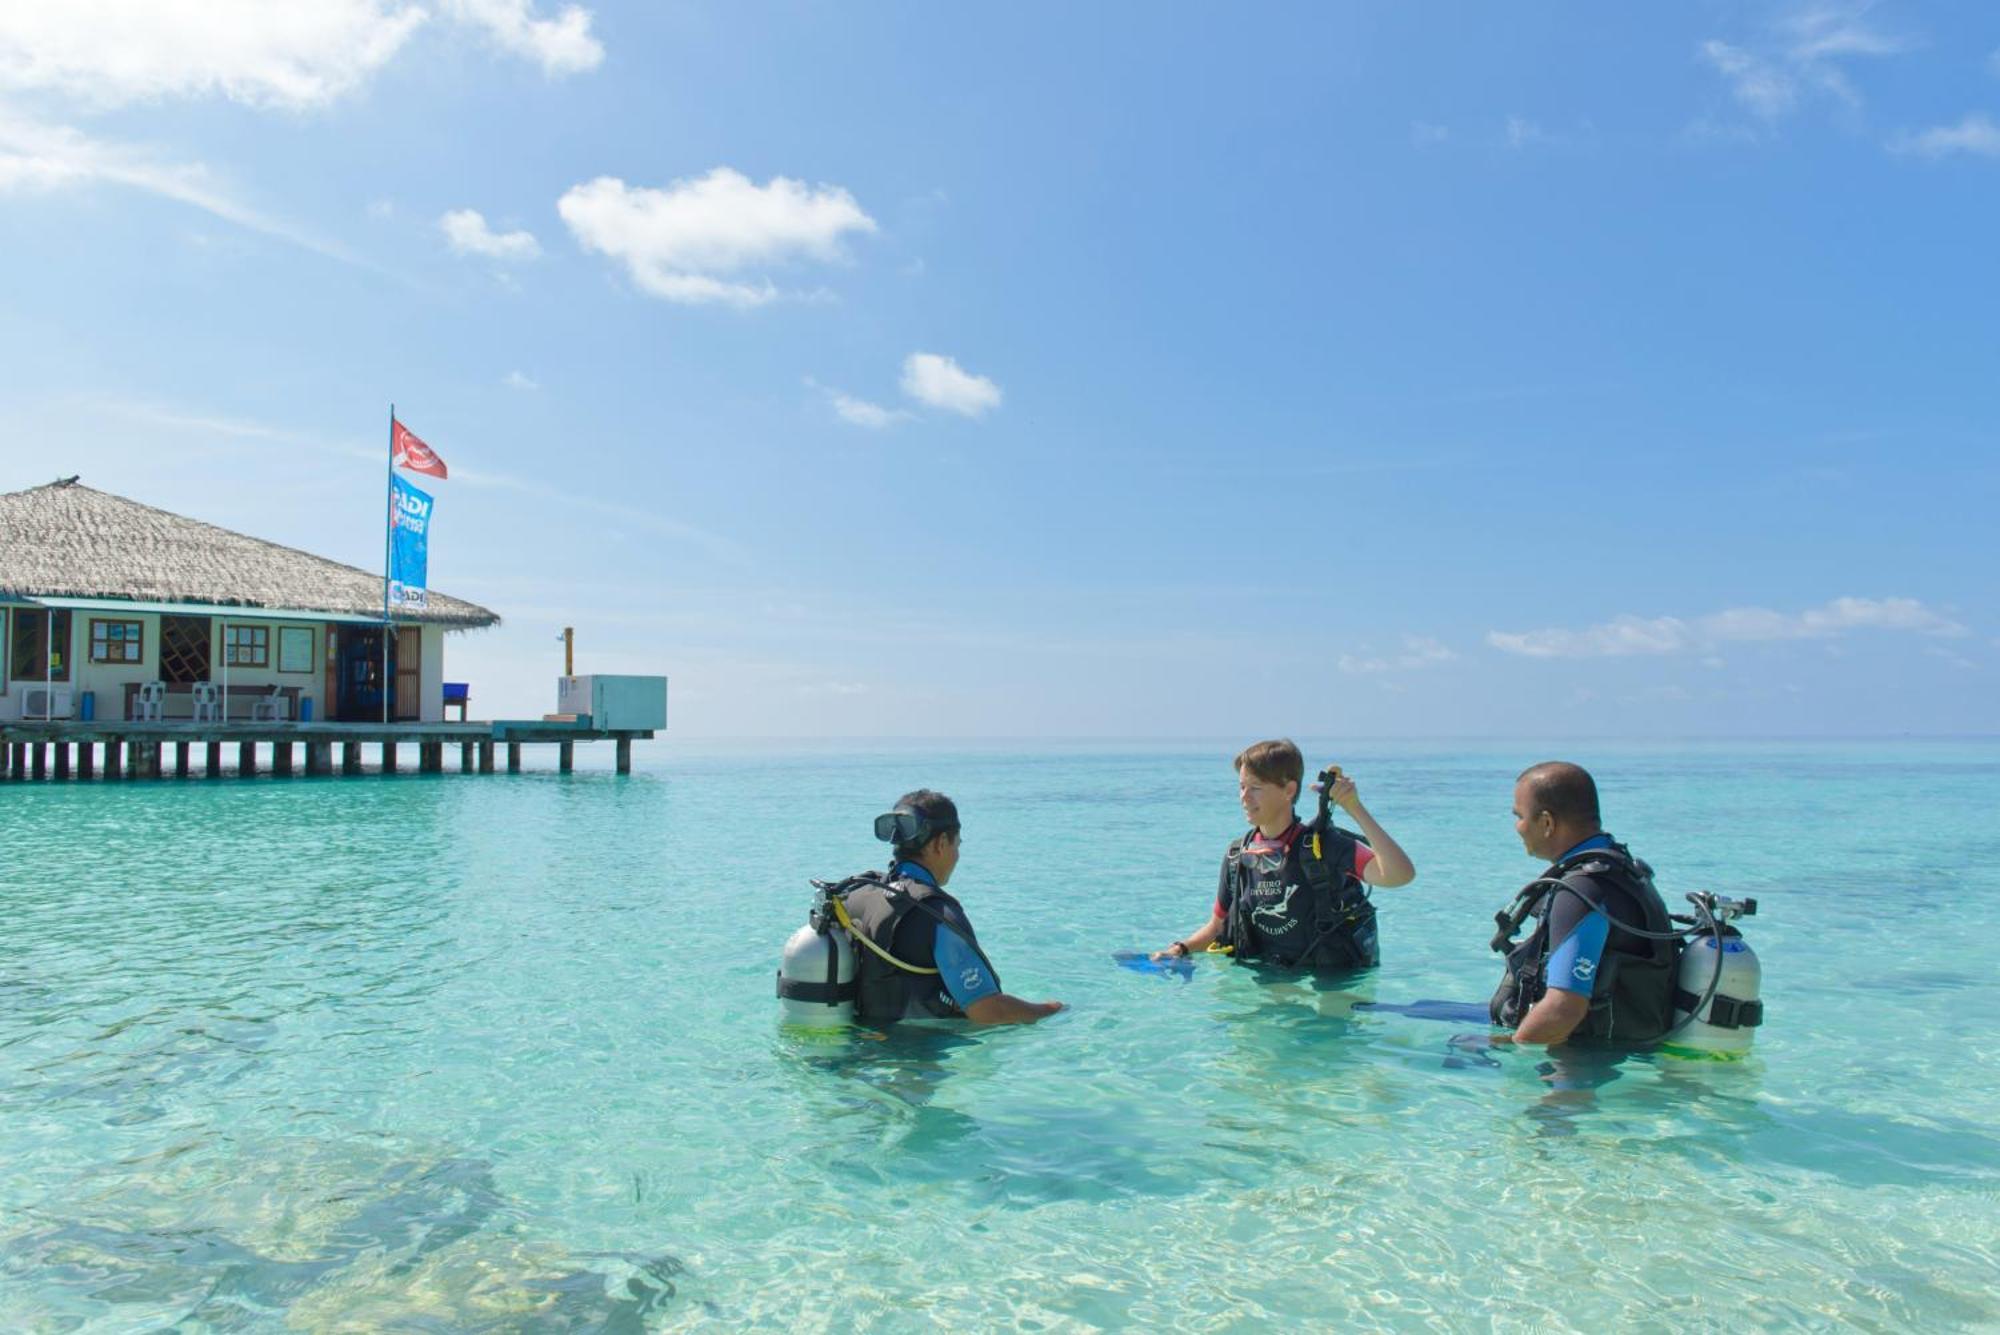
{"x": 46, "y": 702}
{"x": 615, "y": 704}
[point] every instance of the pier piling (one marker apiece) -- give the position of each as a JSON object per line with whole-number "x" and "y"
{"x": 139, "y": 748}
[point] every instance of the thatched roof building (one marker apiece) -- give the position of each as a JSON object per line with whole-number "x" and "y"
{"x": 67, "y": 540}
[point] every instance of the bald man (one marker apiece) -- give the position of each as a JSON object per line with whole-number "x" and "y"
{"x": 1587, "y": 971}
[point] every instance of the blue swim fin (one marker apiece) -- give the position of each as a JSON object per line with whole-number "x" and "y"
{"x": 1139, "y": 961}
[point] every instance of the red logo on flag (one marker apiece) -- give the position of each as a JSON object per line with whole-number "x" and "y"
{"x": 406, "y": 451}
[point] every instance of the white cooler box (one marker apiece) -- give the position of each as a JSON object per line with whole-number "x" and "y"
{"x": 615, "y": 704}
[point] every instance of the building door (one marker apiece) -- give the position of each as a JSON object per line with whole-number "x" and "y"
{"x": 409, "y": 663}
{"x": 184, "y": 649}
{"x": 359, "y": 698}
{"x": 329, "y": 696}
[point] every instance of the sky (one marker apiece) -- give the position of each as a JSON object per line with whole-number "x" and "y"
{"x": 1051, "y": 370}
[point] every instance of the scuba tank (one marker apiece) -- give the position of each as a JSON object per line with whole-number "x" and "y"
{"x": 1716, "y": 991}
{"x": 1717, "y": 997}
{"x": 816, "y": 973}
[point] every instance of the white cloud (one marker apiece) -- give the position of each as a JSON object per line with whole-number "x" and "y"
{"x": 863, "y": 413}
{"x": 1423, "y": 132}
{"x": 1803, "y": 56}
{"x": 520, "y": 380}
{"x": 562, "y": 45}
{"x": 832, "y": 688}
{"x": 939, "y": 381}
{"x": 1616, "y": 638}
{"x": 293, "y": 54}
{"x": 859, "y": 412}
{"x": 1976, "y": 134}
{"x": 106, "y": 52}
{"x": 1522, "y": 132}
{"x": 37, "y": 157}
{"x": 1757, "y": 83}
{"x": 381, "y": 209}
{"x": 1419, "y": 651}
{"x": 691, "y": 241}
{"x": 1819, "y": 32}
{"x": 468, "y": 234}
{"x": 1629, "y": 635}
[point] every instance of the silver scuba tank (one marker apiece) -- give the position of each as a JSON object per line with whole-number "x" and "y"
{"x": 1718, "y": 964}
{"x": 816, "y": 973}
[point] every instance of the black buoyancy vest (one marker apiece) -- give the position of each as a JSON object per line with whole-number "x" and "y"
{"x": 1631, "y": 997}
{"x": 902, "y": 917}
{"x": 1311, "y": 912}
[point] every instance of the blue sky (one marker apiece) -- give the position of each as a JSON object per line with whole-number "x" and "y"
{"x": 1032, "y": 369}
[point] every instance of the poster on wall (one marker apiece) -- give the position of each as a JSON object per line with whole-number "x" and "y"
{"x": 295, "y": 649}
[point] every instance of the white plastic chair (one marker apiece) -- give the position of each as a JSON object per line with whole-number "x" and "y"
{"x": 207, "y": 702}
{"x": 272, "y": 708}
{"x": 152, "y": 702}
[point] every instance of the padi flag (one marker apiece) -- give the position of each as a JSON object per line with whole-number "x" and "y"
{"x": 409, "y": 544}
{"x": 406, "y": 451}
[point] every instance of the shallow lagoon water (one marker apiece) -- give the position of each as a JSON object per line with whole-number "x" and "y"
{"x": 499, "y": 1053}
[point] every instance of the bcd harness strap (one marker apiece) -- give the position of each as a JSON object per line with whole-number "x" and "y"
{"x": 829, "y": 993}
{"x": 1725, "y": 1013}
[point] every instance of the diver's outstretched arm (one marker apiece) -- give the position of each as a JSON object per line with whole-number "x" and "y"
{"x": 1194, "y": 942}
{"x": 1001, "y": 1008}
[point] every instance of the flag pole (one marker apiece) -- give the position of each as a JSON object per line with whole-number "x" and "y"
{"x": 388, "y": 539}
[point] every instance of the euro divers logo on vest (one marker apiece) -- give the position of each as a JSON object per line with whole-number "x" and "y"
{"x": 1274, "y": 917}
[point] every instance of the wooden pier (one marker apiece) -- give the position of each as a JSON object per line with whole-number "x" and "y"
{"x": 31, "y": 749}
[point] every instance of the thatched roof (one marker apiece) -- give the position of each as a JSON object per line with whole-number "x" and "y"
{"x": 66, "y": 540}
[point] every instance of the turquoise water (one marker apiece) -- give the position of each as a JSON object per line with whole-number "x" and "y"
{"x": 498, "y": 1053}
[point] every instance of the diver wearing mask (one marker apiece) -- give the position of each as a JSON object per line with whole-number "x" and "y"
{"x": 916, "y": 956}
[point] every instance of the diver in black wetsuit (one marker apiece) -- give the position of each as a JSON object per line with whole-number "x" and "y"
{"x": 1580, "y": 974}
{"x": 1293, "y": 894}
